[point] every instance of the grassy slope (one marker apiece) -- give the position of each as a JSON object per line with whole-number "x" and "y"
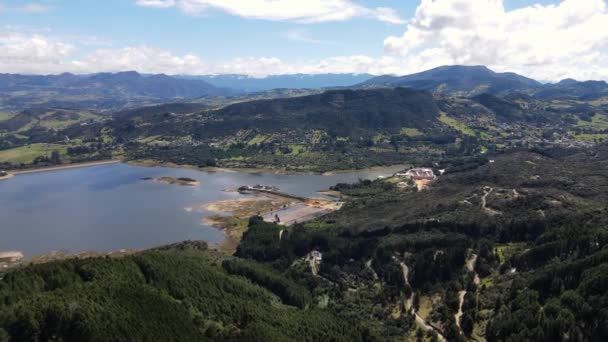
{"x": 26, "y": 154}
{"x": 49, "y": 122}
{"x": 5, "y": 115}
{"x": 598, "y": 121}
{"x": 455, "y": 124}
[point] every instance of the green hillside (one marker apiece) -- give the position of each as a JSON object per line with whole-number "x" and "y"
{"x": 177, "y": 293}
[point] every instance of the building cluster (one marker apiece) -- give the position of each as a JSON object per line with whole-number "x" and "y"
{"x": 417, "y": 174}
{"x": 11, "y": 258}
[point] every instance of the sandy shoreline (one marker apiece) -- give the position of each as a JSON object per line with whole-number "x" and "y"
{"x": 8, "y": 176}
{"x": 65, "y": 167}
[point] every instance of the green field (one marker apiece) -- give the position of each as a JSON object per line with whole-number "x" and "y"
{"x": 5, "y": 115}
{"x": 27, "y": 154}
{"x": 54, "y": 123}
{"x": 258, "y": 139}
{"x": 598, "y": 121}
{"x": 587, "y": 136}
{"x": 455, "y": 124}
{"x": 410, "y": 132}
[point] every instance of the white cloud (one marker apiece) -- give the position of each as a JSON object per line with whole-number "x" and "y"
{"x": 156, "y": 3}
{"x": 32, "y": 53}
{"x": 304, "y": 11}
{"x": 303, "y": 35}
{"x": 34, "y": 8}
{"x": 546, "y": 42}
{"x": 143, "y": 59}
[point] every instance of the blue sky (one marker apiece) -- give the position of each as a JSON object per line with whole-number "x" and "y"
{"x": 214, "y": 34}
{"x": 381, "y": 36}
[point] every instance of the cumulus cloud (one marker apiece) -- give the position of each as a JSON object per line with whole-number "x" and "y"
{"x": 305, "y": 11}
{"x": 546, "y": 42}
{"x": 143, "y": 59}
{"x": 32, "y": 53}
{"x": 153, "y": 60}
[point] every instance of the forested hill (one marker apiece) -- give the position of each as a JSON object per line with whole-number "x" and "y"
{"x": 338, "y": 110}
{"x": 310, "y": 131}
{"x": 512, "y": 248}
{"x": 177, "y": 293}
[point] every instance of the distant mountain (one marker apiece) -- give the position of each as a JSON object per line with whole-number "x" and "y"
{"x": 458, "y": 80}
{"x": 295, "y": 81}
{"x": 572, "y": 89}
{"x": 103, "y": 90}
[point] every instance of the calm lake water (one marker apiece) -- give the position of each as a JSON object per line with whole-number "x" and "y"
{"x": 107, "y": 208}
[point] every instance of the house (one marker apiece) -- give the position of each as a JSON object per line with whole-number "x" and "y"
{"x": 317, "y": 256}
{"x": 417, "y": 174}
{"x": 11, "y": 257}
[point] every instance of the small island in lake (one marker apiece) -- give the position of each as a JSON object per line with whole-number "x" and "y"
{"x": 172, "y": 180}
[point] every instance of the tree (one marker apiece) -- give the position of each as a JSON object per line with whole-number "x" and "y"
{"x": 55, "y": 158}
{"x": 467, "y": 324}
{"x": 416, "y": 301}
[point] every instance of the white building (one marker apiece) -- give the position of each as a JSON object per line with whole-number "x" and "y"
{"x": 417, "y": 174}
{"x": 11, "y": 256}
{"x": 317, "y": 256}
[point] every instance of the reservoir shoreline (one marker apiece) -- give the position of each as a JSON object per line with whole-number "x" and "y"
{"x": 101, "y": 208}
{"x": 64, "y": 167}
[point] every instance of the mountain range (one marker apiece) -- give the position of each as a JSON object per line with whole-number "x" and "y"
{"x": 100, "y": 91}
{"x": 110, "y": 91}
{"x": 295, "y": 81}
{"x": 459, "y": 80}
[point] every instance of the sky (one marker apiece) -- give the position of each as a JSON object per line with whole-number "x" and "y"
{"x": 545, "y": 39}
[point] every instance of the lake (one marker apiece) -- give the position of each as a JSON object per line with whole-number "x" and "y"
{"x": 107, "y": 208}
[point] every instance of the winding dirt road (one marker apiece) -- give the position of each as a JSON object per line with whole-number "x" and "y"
{"x": 470, "y": 265}
{"x": 368, "y": 264}
{"x": 419, "y": 320}
{"x": 457, "y": 316}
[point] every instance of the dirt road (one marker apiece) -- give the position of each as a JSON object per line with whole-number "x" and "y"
{"x": 419, "y": 320}
{"x": 457, "y": 316}
{"x": 471, "y": 267}
{"x": 368, "y": 264}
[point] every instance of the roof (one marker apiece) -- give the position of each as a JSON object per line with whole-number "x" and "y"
{"x": 11, "y": 255}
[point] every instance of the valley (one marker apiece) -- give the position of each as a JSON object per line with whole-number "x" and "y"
{"x": 457, "y": 204}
